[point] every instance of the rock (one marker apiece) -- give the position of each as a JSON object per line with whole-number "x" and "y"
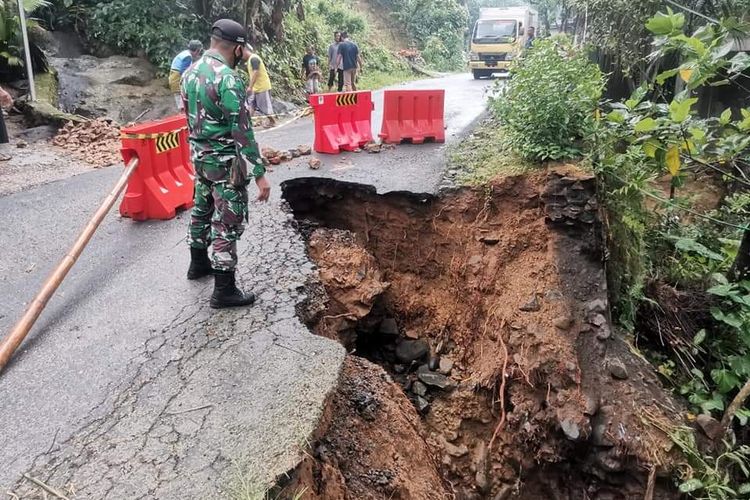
{"x": 617, "y": 369}
{"x": 533, "y": 305}
{"x": 596, "y": 306}
{"x": 373, "y": 148}
{"x": 276, "y": 160}
{"x": 446, "y": 366}
{"x": 412, "y": 350}
{"x": 505, "y": 492}
{"x": 571, "y": 430}
{"x": 295, "y": 153}
{"x": 389, "y": 327}
{"x": 419, "y": 388}
{"x": 599, "y": 436}
{"x": 490, "y": 240}
{"x": 22, "y": 144}
{"x": 608, "y": 461}
{"x": 434, "y": 363}
{"x": 563, "y": 323}
{"x": 604, "y": 332}
{"x": 480, "y": 465}
{"x": 422, "y": 404}
{"x": 592, "y": 405}
{"x": 411, "y": 334}
{"x": 304, "y": 150}
{"x": 598, "y": 320}
{"x": 455, "y": 451}
{"x": 399, "y": 369}
{"x": 553, "y": 295}
{"x": 710, "y": 426}
{"x": 314, "y": 163}
{"x": 436, "y": 380}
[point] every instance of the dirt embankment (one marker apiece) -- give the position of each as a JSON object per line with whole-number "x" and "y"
{"x": 488, "y": 307}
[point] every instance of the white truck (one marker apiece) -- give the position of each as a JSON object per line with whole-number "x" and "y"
{"x": 498, "y": 37}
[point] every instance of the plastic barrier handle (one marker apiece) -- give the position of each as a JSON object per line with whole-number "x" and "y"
{"x": 21, "y": 329}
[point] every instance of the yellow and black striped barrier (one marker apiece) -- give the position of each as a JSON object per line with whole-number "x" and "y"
{"x": 165, "y": 141}
{"x": 346, "y": 100}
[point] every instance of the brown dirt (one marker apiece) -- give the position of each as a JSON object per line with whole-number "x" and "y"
{"x": 393, "y": 461}
{"x": 96, "y": 142}
{"x": 537, "y": 413}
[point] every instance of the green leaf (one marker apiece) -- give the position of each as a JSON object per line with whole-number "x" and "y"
{"x": 726, "y": 116}
{"x": 697, "y": 134}
{"x": 726, "y": 381}
{"x": 690, "y": 245}
{"x": 636, "y": 97}
{"x": 722, "y": 290}
{"x": 739, "y": 63}
{"x": 699, "y": 337}
{"x": 645, "y": 125}
{"x": 691, "y": 485}
{"x": 666, "y": 75}
{"x": 743, "y": 415}
{"x": 665, "y": 24}
{"x": 680, "y": 110}
{"x": 616, "y": 117}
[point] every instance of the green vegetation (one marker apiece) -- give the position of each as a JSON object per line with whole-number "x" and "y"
{"x": 547, "y": 108}
{"x": 658, "y": 238}
{"x": 11, "y": 42}
{"x": 483, "y": 156}
{"x": 435, "y": 27}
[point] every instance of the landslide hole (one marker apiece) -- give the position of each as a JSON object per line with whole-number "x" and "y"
{"x": 475, "y": 305}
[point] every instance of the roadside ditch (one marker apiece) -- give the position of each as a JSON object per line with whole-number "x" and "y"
{"x": 482, "y": 362}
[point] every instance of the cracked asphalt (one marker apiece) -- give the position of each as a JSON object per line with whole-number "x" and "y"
{"x": 130, "y": 386}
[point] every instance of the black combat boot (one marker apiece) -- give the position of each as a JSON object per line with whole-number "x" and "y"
{"x": 226, "y": 293}
{"x": 200, "y": 264}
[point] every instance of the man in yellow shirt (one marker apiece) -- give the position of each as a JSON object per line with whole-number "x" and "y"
{"x": 259, "y": 91}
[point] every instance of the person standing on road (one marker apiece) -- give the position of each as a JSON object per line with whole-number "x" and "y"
{"x": 259, "y": 91}
{"x": 529, "y": 38}
{"x": 223, "y": 150}
{"x": 350, "y": 61}
{"x": 311, "y": 71}
{"x": 335, "y": 71}
{"x": 180, "y": 64}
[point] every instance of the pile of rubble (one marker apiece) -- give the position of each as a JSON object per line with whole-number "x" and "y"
{"x": 276, "y": 157}
{"x": 96, "y": 141}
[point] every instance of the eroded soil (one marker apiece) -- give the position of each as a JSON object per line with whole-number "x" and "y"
{"x": 489, "y": 308}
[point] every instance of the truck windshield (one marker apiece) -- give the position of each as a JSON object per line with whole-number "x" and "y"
{"x": 495, "y": 31}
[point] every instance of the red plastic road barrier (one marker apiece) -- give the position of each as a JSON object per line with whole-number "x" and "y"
{"x": 163, "y": 182}
{"x": 342, "y": 121}
{"x": 413, "y": 115}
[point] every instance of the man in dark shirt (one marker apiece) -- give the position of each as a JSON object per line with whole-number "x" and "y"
{"x": 350, "y": 60}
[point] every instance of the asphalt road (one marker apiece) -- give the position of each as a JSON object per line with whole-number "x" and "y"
{"x": 129, "y": 386}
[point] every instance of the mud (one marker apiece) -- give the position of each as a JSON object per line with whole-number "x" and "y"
{"x": 524, "y": 390}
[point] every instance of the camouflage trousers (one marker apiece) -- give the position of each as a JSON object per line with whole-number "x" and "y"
{"x": 217, "y": 218}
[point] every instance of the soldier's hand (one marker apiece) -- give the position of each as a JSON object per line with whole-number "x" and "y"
{"x": 264, "y": 188}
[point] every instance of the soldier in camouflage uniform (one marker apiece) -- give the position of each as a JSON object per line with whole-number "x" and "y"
{"x": 223, "y": 151}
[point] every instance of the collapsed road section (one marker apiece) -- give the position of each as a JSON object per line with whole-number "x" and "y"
{"x": 482, "y": 363}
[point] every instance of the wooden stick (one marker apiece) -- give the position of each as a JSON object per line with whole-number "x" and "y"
{"x": 21, "y": 329}
{"x": 47, "y": 488}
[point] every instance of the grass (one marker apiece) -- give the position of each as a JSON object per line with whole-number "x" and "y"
{"x": 373, "y": 80}
{"x": 482, "y": 156}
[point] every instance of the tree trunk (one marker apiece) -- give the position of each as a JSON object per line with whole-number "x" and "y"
{"x": 741, "y": 267}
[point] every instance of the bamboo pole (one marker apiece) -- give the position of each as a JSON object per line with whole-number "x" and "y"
{"x": 16, "y": 336}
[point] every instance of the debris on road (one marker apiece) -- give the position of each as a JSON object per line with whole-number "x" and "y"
{"x": 276, "y": 157}
{"x": 96, "y": 142}
{"x": 314, "y": 163}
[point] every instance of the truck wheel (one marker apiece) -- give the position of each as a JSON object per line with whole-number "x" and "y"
{"x": 477, "y": 74}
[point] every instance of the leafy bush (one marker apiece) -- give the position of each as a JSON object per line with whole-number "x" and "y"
{"x": 436, "y": 27}
{"x": 547, "y": 108}
{"x": 132, "y": 27}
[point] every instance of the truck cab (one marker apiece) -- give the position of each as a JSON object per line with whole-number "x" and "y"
{"x": 498, "y": 38}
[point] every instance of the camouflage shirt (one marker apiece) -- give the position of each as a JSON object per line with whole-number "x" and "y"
{"x": 219, "y": 123}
